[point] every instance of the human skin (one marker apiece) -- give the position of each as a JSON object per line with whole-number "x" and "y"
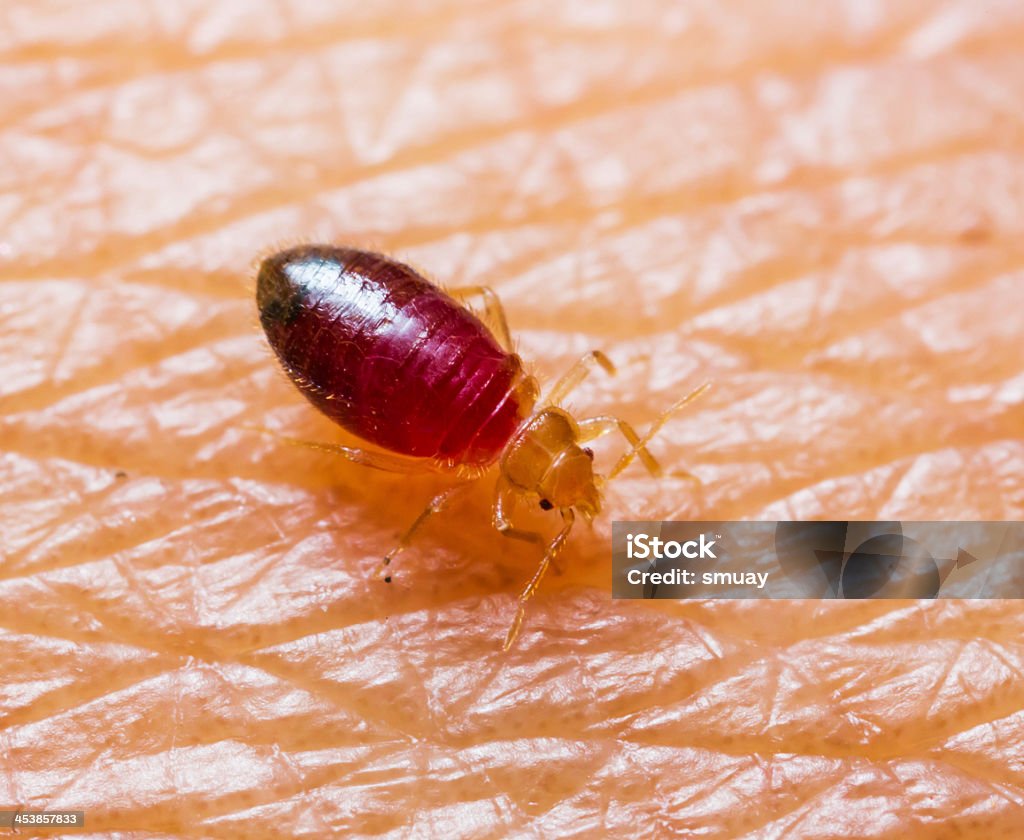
{"x": 815, "y": 206}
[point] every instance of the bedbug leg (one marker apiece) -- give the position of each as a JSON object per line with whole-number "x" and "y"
{"x": 376, "y": 460}
{"x": 504, "y": 503}
{"x": 594, "y": 427}
{"x": 437, "y": 504}
{"x": 577, "y": 373}
{"x": 531, "y": 588}
{"x": 494, "y": 311}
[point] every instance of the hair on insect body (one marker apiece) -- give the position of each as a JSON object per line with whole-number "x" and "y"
{"x": 410, "y": 369}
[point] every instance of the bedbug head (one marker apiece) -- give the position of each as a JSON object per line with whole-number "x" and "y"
{"x": 546, "y": 459}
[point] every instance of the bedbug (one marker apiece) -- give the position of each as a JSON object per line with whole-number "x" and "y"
{"x": 410, "y": 369}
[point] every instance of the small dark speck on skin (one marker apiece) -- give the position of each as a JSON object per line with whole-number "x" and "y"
{"x": 120, "y": 474}
{"x": 976, "y": 230}
{"x": 976, "y": 235}
{"x": 387, "y": 579}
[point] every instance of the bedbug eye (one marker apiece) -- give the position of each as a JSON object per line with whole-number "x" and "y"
{"x": 589, "y": 452}
{"x": 545, "y": 504}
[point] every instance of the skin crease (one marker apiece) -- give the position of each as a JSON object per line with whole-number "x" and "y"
{"x": 817, "y": 209}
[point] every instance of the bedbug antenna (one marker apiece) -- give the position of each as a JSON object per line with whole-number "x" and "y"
{"x": 638, "y": 445}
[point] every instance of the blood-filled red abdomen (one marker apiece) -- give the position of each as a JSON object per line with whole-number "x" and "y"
{"x": 389, "y": 356}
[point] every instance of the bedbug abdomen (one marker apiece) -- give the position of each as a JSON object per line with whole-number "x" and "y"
{"x": 391, "y": 357}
